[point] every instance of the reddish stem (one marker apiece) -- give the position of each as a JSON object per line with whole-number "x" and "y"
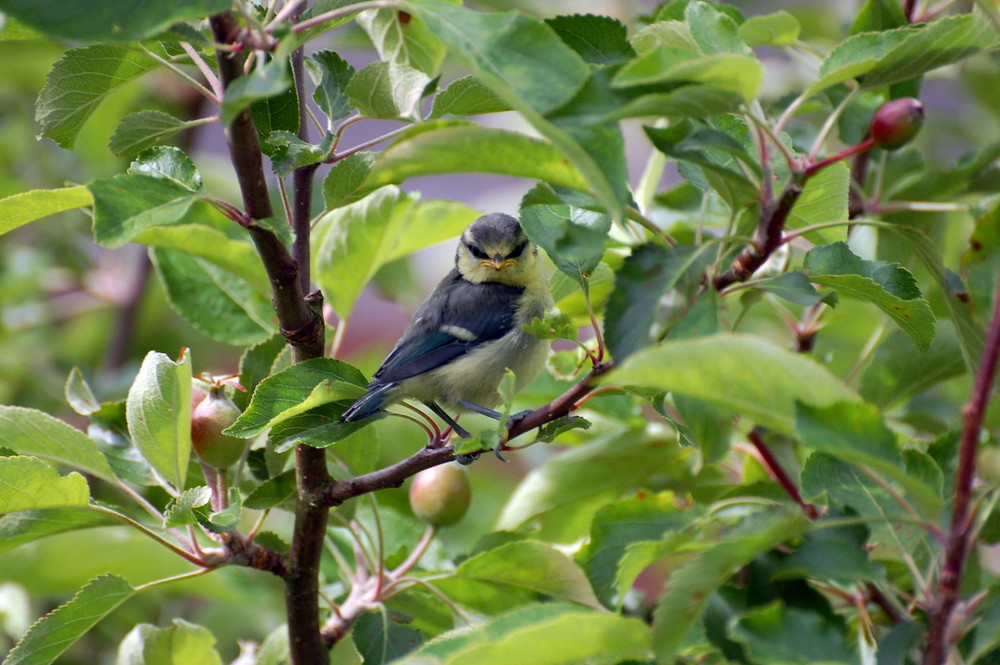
{"x": 864, "y": 146}
{"x": 957, "y": 546}
{"x": 774, "y": 468}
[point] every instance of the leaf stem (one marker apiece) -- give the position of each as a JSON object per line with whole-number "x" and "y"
{"x": 334, "y": 14}
{"x": 125, "y": 519}
{"x": 208, "y": 94}
{"x": 773, "y": 466}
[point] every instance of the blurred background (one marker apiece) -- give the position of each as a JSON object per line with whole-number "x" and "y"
{"x": 65, "y": 302}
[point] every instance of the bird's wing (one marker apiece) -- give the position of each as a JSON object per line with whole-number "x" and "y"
{"x": 456, "y": 318}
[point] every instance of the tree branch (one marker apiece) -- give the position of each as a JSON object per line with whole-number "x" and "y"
{"x": 957, "y": 546}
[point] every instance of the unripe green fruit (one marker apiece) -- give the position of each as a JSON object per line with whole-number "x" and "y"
{"x": 198, "y": 394}
{"x": 215, "y": 413}
{"x": 441, "y": 495}
{"x": 896, "y": 122}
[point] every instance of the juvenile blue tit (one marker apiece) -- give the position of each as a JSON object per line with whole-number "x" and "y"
{"x": 468, "y": 332}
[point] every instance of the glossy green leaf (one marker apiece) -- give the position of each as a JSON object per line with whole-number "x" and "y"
{"x": 888, "y": 286}
{"x": 496, "y": 579}
{"x": 600, "y": 40}
{"x": 771, "y": 378}
{"x": 471, "y": 148}
{"x": 741, "y": 74}
{"x": 351, "y": 243}
{"x": 823, "y": 199}
{"x": 691, "y": 585}
{"x": 28, "y": 483}
{"x": 218, "y": 303}
{"x": 78, "y": 393}
{"x": 573, "y": 237}
{"x": 331, "y": 74}
{"x": 31, "y": 432}
{"x": 182, "y": 642}
{"x": 686, "y": 101}
{"x": 47, "y": 639}
{"x": 381, "y": 638}
{"x": 279, "y": 113}
{"x": 775, "y": 633}
{"x": 209, "y": 244}
{"x": 897, "y": 55}
{"x": 19, "y": 209}
{"x": 180, "y": 511}
{"x": 288, "y": 152}
{"x": 25, "y": 526}
{"x": 110, "y": 20}
{"x": 267, "y": 80}
{"x": 562, "y": 496}
{"x": 402, "y": 41}
{"x": 777, "y": 29}
{"x": 558, "y": 634}
{"x": 856, "y": 434}
{"x": 138, "y": 131}
{"x": 713, "y": 30}
{"x": 794, "y": 287}
{"x": 466, "y": 96}
{"x": 81, "y": 80}
{"x": 650, "y": 272}
{"x": 344, "y": 183}
{"x": 285, "y": 392}
{"x": 616, "y": 528}
{"x": 386, "y": 90}
{"x": 159, "y": 415}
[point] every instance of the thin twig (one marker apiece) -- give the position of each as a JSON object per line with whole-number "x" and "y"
{"x": 773, "y": 466}
{"x": 208, "y": 94}
{"x": 334, "y": 14}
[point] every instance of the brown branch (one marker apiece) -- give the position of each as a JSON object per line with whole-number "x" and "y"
{"x": 957, "y": 546}
{"x": 302, "y": 326}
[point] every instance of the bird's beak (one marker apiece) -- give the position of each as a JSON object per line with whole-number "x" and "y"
{"x": 498, "y": 262}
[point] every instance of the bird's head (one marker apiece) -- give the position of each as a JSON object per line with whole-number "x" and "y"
{"x": 494, "y": 249}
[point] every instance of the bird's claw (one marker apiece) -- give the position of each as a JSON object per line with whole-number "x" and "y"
{"x": 496, "y": 451}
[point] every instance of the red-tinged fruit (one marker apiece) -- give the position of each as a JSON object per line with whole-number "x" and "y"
{"x": 441, "y": 495}
{"x": 212, "y": 415}
{"x": 897, "y": 122}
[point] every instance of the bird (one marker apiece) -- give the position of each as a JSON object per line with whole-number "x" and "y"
{"x": 461, "y": 340}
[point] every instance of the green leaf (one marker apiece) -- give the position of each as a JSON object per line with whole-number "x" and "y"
{"x": 713, "y": 30}
{"x": 856, "y": 434}
{"x": 471, "y": 148}
{"x": 78, "y": 393}
{"x": 128, "y": 203}
{"x": 180, "y": 511}
{"x": 734, "y": 72}
{"x": 876, "y": 15}
{"x": 558, "y": 634}
{"x": 28, "y": 483}
{"x": 213, "y": 246}
{"x": 777, "y": 29}
{"x": 19, "y": 209}
{"x": 770, "y": 379}
{"x": 832, "y": 552}
{"x": 548, "y": 432}
{"x": 138, "y": 131}
{"x": 25, "y": 526}
{"x": 572, "y": 236}
{"x": 279, "y": 113}
{"x": 466, "y": 96}
{"x": 170, "y": 164}
{"x": 350, "y": 244}
{"x": 518, "y": 571}
{"x": 897, "y": 372}
{"x": 553, "y": 326}
{"x": 778, "y": 634}
{"x": 513, "y": 53}
{"x": 650, "y": 272}
{"x": 48, "y": 638}
{"x": 685, "y": 101}
{"x": 888, "y": 286}
{"x": 228, "y": 518}
{"x": 272, "y": 492}
{"x": 283, "y": 393}
{"x": 159, "y": 415}
{"x": 268, "y": 80}
{"x": 824, "y": 199}
{"x": 331, "y": 74}
{"x": 600, "y": 40}
{"x": 344, "y": 183}
{"x": 380, "y": 638}
{"x": 691, "y": 585}
{"x": 403, "y": 42}
{"x": 288, "y": 152}
{"x": 216, "y": 302}
{"x": 182, "y": 642}
{"x": 81, "y": 80}
{"x": 616, "y": 528}
{"x": 794, "y": 287}
{"x": 109, "y": 20}
{"x": 388, "y": 91}
{"x": 897, "y": 55}
{"x": 562, "y": 495}
{"x": 31, "y": 432}
{"x": 530, "y": 69}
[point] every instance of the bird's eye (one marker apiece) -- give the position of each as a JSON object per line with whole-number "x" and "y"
{"x": 476, "y": 252}
{"x": 517, "y": 250}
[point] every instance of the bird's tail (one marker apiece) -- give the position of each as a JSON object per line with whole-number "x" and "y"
{"x": 369, "y": 403}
